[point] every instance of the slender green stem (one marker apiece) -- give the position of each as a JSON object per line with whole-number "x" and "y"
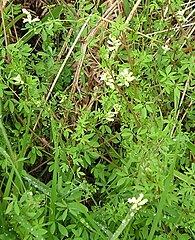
{"x": 130, "y": 108}
{"x": 8, "y": 158}
{"x": 55, "y": 172}
{"x": 5, "y": 134}
{"x": 163, "y": 199}
{"x": 18, "y": 180}
{"x": 7, "y": 191}
{"x": 123, "y": 225}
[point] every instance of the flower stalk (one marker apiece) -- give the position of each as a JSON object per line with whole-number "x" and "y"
{"x": 136, "y": 206}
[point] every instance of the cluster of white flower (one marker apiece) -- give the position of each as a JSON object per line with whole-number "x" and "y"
{"x": 28, "y": 18}
{"x": 165, "y": 48}
{"x": 112, "y": 114}
{"x": 113, "y": 43}
{"x": 123, "y": 79}
{"x": 18, "y": 80}
{"x": 108, "y": 79}
{"x": 137, "y": 203}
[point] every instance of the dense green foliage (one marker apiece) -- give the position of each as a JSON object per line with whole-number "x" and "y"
{"x": 97, "y": 121}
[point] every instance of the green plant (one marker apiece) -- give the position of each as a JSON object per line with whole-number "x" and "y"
{"x": 96, "y": 112}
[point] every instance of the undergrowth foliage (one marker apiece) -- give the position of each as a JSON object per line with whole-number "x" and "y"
{"x": 97, "y": 120}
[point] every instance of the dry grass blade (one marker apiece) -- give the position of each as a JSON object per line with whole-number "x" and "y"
{"x": 133, "y": 11}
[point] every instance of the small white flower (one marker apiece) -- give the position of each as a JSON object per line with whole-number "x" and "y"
{"x": 108, "y": 79}
{"x": 117, "y": 108}
{"x": 18, "y": 80}
{"x": 165, "y": 48}
{"x": 29, "y": 17}
{"x": 137, "y": 203}
{"x": 110, "y": 116}
{"x": 125, "y": 77}
{"x": 132, "y": 200}
{"x": 25, "y": 11}
{"x": 113, "y": 43}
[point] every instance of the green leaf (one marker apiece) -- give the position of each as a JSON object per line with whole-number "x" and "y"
{"x": 121, "y": 173}
{"x": 11, "y": 106}
{"x": 1, "y": 93}
{"x": 3, "y": 86}
{"x": 40, "y": 232}
{"x": 88, "y": 7}
{"x": 142, "y": 131}
{"x": 44, "y": 35}
{"x": 36, "y": 183}
{"x": 138, "y": 106}
{"x": 149, "y": 109}
{"x": 94, "y": 155}
{"x": 176, "y": 97}
{"x": 87, "y": 158}
{"x": 184, "y": 178}
{"x": 53, "y": 228}
{"x": 162, "y": 73}
{"x": 168, "y": 69}
{"x": 122, "y": 181}
{"x": 9, "y": 208}
{"x": 144, "y": 112}
{"x": 94, "y": 144}
{"x": 127, "y": 133}
{"x": 191, "y": 146}
{"x": 12, "y": 23}
{"x": 64, "y": 215}
{"x": 63, "y": 230}
{"x": 16, "y": 208}
{"x": 76, "y": 208}
{"x": 126, "y": 7}
{"x": 27, "y": 226}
